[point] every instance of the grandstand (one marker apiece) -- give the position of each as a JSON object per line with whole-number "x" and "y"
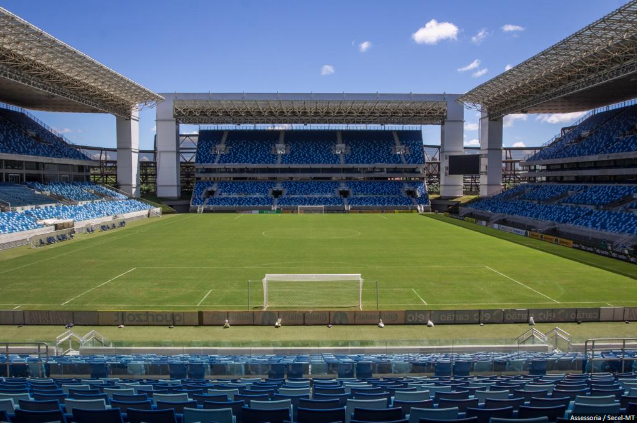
{"x": 402, "y": 315}
{"x": 328, "y": 161}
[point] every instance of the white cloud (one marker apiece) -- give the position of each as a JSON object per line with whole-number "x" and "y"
{"x": 519, "y": 144}
{"x": 480, "y": 73}
{"x": 153, "y": 129}
{"x": 470, "y": 66}
{"x": 479, "y": 37}
{"x": 507, "y": 67}
{"x": 63, "y": 130}
{"x": 471, "y": 126}
{"x": 512, "y": 28}
{"x": 364, "y": 46}
{"x": 559, "y": 117}
{"x": 435, "y": 31}
{"x": 327, "y": 70}
{"x": 472, "y": 143}
{"x": 509, "y": 120}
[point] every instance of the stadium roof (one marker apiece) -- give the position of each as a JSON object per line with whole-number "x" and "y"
{"x": 594, "y": 67}
{"x": 274, "y": 108}
{"x": 38, "y": 71}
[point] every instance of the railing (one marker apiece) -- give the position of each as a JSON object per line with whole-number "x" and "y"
{"x": 533, "y": 334}
{"x": 95, "y": 336}
{"x": 583, "y": 118}
{"x": 38, "y": 121}
{"x": 600, "y": 345}
{"x": 311, "y": 127}
{"x": 558, "y": 334}
{"x": 69, "y": 336}
{"x": 40, "y": 349}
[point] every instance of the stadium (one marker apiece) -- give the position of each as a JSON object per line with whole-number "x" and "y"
{"x": 316, "y": 257}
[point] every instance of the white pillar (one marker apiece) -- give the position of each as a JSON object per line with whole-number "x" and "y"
{"x": 491, "y": 155}
{"x": 167, "y": 150}
{"x": 128, "y": 153}
{"x": 451, "y": 142}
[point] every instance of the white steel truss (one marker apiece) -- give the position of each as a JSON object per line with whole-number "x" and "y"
{"x": 601, "y": 53}
{"x": 35, "y": 59}
{"x": 310, "y": 111}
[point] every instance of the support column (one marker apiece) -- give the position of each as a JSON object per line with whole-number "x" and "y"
{"x": 167, "y": 150}
{"x": 491, "y": 155}
{"x": 451, "y": 142}
{"x": 128, "y": 153}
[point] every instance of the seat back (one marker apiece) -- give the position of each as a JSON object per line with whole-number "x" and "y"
{"x": 193, "y": 415}
{"x": 433, "y": 414}
{"x": 305, "y": 415}
{"x": 542, "y": 419}
{"x": 314, "y": 404}
{"x": 411, "y": 396}
{"x": 500, "y": 403}
{"x": 484, "y": 415}
{"x": 462, "y": 404}
{"x": 230, "y": 393}
{"x": 125, "y": 405}
{"x": 277, "y": 415}
{"x": 483, "y": 395}
{"x": 177, "y": 406}
{"x": 369, "y": 404}
{"x": 170, "y": 397}
{"x": 553, "y": 413}
{"x": 94, "y": 404}
{"x": 112, "y": 415}
{"x": 7, "y": 404}
{"x": 269, "y": 405}
{"x": 604, "y": 399}
{"x": 385, "y": 415}
{"x": 252, "y": 397}
{"x": 151, "y": 416}
{"x": 406, "y": 406}
{"x": 123, "y": 391}
{"x": 25, "y": 416}
{"x": 235, "y": 406}
{"x": 599, "y": 409}
{"x": 50, "y": 405}
{"x": 16, "y": 397}
{"x": 294, "y": 391}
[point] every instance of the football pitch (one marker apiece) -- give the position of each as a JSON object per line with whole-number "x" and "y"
{"x": 204, "y": 262}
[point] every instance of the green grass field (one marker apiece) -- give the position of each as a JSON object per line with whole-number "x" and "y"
{"x": 204, "y": 262}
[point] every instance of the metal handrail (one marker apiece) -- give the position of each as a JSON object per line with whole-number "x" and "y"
{"x": 40, "y": 347}
{"x": 611, "y": 344}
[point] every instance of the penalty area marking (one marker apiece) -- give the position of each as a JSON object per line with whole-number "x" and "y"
{"x": 205, "y": 296}
{"x": 521, "y": 284}
{"x": 98, "y": 286}
{"x": 423, "y": 301}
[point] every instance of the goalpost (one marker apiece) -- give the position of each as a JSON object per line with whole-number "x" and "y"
{"x": 311, "y": 291}
{"x": 311, "y": 209}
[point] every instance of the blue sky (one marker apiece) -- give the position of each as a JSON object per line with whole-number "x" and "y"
{"x": 387, "y": 46}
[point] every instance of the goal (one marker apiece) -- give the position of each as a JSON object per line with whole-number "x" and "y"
{"x": 311, "y": 209}
{"x": 312, "y": 291}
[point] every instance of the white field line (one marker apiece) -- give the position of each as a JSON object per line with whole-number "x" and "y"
{"x": 240, "y": 215}
{"x": 16, "y": 307}
{"x": 143, "y": 229}
{"x": 305, "y": 266}
{"x": 382, "y": 216}
{"x": 423, "y": 301}
{"x": 98, "y": 286}
{"x": 205, "y": 296}
{"x": 521, "y": 284}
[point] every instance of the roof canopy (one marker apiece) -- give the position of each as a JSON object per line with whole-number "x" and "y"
{"x": 274, "y": 108}
{"x": 594, "y": 67}
{"x": 38, "y": 71}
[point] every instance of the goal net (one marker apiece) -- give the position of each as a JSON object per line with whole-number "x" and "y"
{"x": 311, "y": 291}
{"x": 311, "y": 209}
